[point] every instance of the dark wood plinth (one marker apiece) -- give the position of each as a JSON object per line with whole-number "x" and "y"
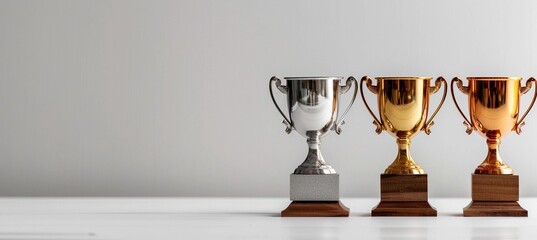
{"x": 403, "y": 195}
{"x": 316, "y": 209}
{"x": 494, "y": 195}
{"x": 404, "y": 209}
{"x": 494, "y": 209}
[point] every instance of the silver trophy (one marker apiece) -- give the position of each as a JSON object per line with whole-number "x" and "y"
{"x": 313, "y": 104}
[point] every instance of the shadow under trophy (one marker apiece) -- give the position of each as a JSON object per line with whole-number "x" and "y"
{"x": 403, "y": 103}
{"x": 494, "y": 112}
{"x": 313, "y": 104}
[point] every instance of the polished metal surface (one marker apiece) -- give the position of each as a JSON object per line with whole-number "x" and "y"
{"x": 494, "y": 112}
{"x": 313, "y": 104}
{"x": 403, "y": 104}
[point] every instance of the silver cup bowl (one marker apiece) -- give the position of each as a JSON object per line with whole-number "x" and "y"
{"x": 313, "y": 104}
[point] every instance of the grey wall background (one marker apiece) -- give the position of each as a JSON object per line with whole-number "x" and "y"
{"x": 169, "y": 98}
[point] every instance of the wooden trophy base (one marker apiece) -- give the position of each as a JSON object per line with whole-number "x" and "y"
{"x": 403, "y": 195}
{"x": 494, "y": 195}
{"x": 316, "y": 209}
{"x": 494, "y": 209}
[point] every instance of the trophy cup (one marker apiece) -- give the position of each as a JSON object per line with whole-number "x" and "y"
{"x": 494, "y": 112}
{"x": 403, "y": 103}
{"x": 313, "y": 104}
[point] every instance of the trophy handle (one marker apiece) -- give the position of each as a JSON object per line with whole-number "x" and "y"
{"x": 373, "y": 89}
{"x": 433, "y": 90}
{"x": 343, "y": 90}
{"x": 463, "y": 89}
{"x": 283, "y": 89}
{"x": 523, "y": 90}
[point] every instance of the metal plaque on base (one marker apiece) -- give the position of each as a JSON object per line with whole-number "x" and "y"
{"x": 314, "y": 187}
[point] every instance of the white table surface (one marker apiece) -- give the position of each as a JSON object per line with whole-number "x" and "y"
{"x": 241, "y": 218}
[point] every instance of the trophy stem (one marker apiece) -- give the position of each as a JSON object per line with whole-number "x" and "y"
{"x": 314, "y": 163}
{"x": 493, "y": 163}
{"x": 404, "y": 164}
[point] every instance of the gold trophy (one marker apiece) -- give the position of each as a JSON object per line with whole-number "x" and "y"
{"x": 403, "y": 103}
{"x": 494, "y": 112}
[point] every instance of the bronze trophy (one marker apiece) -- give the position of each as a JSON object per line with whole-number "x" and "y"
{"x": 494, "y": 112}
{"x": 403, "y": 104}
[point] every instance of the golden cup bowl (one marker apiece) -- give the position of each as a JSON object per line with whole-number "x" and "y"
{"x": 403, "y": 104}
